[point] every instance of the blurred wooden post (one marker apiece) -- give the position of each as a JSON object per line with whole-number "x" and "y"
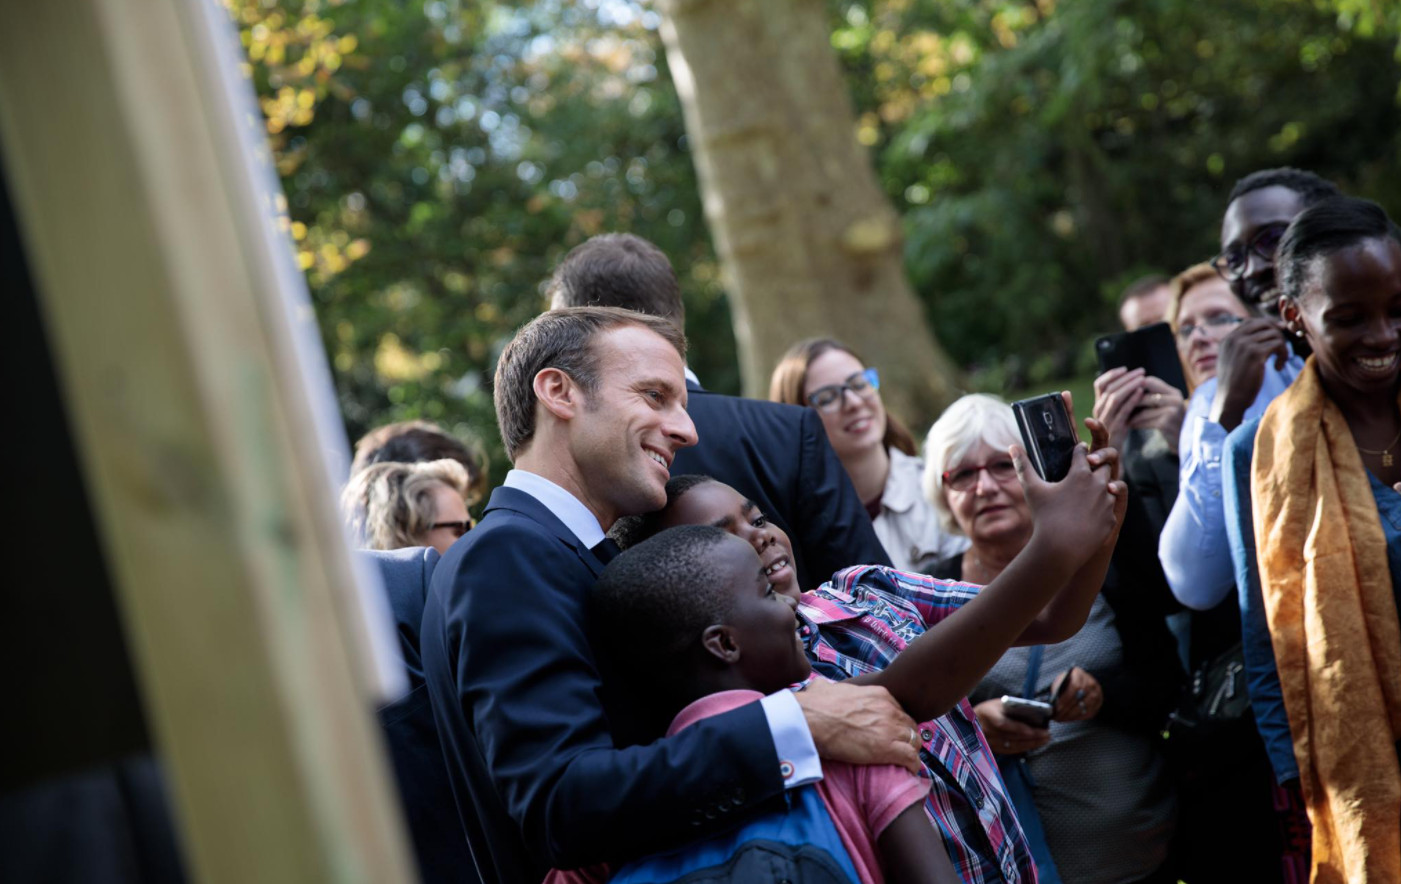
{"x": 166, "y": 298}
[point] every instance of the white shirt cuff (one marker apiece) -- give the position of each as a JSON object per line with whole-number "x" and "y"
{"x": 797, "y": 756}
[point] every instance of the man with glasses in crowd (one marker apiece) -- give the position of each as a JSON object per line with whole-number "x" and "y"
{"x": 1231, "y": 820}
{"x": 1254, "y": 365}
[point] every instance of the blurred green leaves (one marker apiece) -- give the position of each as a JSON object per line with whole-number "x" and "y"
{"x": 439, "y": 158}
{"x": 1044, "y": 154}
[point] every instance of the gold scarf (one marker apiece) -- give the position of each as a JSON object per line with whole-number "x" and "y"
{"x": 1333, "y": 623}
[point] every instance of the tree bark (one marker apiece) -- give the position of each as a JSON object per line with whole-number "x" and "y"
{"x": 810, "y": 246}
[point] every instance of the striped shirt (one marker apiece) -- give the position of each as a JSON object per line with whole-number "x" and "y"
{"x": 856, "y": 623}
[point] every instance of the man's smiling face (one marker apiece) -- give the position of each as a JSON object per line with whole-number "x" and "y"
{"x": 627, "y": 432}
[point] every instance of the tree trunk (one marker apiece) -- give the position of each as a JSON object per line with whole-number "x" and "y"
{"x": 809, "y": 244}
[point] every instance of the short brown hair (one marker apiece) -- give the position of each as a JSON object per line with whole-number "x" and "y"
{"x": 618, "y": 270}
{"x": 561, "y": 339}
{"x": 417, "y": 441}
{"x": 791, "y": 375}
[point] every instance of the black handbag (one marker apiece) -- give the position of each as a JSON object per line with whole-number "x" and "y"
{"x": 1216, "y": 697}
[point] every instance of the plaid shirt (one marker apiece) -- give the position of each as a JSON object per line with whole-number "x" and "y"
{"x": 857, "y": 623}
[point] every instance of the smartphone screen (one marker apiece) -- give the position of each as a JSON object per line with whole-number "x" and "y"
{"x": 1047, "y": 433}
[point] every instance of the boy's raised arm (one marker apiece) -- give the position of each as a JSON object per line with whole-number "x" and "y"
{"x": 1046, "y": 591}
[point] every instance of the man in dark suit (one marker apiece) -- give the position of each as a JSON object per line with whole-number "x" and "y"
{"x": 414, "y": 747}
{"x": 778, "y": 455}
{"x": 591, "y": 406}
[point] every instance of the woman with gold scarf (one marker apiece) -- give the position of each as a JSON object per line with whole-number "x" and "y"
{"x": 1314, "y": 518}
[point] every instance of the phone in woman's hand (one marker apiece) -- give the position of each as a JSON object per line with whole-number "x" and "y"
{"x": 1033, "y": 712}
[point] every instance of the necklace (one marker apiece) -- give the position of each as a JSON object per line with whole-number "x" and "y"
{"x": 1387, "y": 459}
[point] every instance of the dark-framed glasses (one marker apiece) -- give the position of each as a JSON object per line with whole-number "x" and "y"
{"x": 1219, "y": 324}
{"x": 457, "y": 528}
{"x": 1001, "y": 470}
{"x": 829, "y": 398}
{"x": 1230, "y": 264}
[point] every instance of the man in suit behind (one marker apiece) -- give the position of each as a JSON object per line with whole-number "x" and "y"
{"x": 591, "y": 405}
{"x": 778, "y": 455}
{"x": 414, "y": 747}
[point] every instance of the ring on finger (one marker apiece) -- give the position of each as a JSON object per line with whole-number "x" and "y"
{"x": 914, "y": 738}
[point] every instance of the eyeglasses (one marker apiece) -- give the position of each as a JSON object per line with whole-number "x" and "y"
{"x": 964, "y": 478}
{"x": 1216, "y": 323}
{"x": 457, "y": 528}
{"x": 1231, "y": 262}
{"x": 829, "y": 398}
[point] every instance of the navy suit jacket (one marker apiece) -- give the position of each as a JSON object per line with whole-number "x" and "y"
{"x": 516, "y": 695}
{"x": 414, "y": 749}
{"x": 778, "y": 456}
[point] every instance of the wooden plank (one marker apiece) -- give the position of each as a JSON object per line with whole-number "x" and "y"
{"x": 198, "y": 437}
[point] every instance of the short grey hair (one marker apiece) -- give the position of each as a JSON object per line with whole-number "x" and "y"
{"x": 390, "y": 505}
{"x": 977, "y": 417}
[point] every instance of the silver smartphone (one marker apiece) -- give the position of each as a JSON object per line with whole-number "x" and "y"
{"x": 1033, "y": 712}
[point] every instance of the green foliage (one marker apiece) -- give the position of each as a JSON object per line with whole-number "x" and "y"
{"x": 440, "y": 158}
{"x": 1046, "y": 154}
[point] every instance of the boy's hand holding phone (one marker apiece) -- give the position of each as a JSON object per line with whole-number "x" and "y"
{"x": 1076, "y": 516}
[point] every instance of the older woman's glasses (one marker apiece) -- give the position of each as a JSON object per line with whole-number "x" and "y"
{"x": 1231, "y": 263}
{"x": 457, "y": 528}
{"x": 1221, "y": 322}
{"x": 829, "y": 398}
{"x": 964, "y": 478}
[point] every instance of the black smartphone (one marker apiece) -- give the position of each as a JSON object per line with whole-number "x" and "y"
{"x": 1047, "y": 433}
{"x": 1151, "y": 348}
{"x": 1036, "y": 713}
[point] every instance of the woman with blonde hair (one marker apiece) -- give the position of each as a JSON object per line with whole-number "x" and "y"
{"x": 396, "y": 505}
{"x": 880, "y": 455}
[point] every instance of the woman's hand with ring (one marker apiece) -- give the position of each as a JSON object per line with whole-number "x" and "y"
{"x": 1080, "y": 699}
{"x": 1007, "y": 736}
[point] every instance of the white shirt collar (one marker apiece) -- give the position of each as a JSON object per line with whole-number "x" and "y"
{"x": 565, "y": 506}
{"x": 902, "y": 484}
{"x": 691, "y": 376}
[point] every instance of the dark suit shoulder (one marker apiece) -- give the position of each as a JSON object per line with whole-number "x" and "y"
{"x": 405, "y": 574}
{"x": 747, "y": 413}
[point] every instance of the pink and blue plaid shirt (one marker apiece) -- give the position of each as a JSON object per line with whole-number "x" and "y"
{"x": 856, "y": 623}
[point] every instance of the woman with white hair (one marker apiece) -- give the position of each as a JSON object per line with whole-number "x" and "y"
{"x": 1096, "y": 776}
{"x": 396, "y": 505}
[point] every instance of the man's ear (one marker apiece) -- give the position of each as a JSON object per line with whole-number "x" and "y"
{"x": 557, "y": 392}
{"x": 1289, "y": 312}
{"x": 719, "y": 642}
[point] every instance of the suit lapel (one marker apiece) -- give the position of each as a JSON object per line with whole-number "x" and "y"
{"x": 517, "y": 501}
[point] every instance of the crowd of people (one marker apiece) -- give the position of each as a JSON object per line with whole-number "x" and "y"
{"x": 700, "y": 637}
